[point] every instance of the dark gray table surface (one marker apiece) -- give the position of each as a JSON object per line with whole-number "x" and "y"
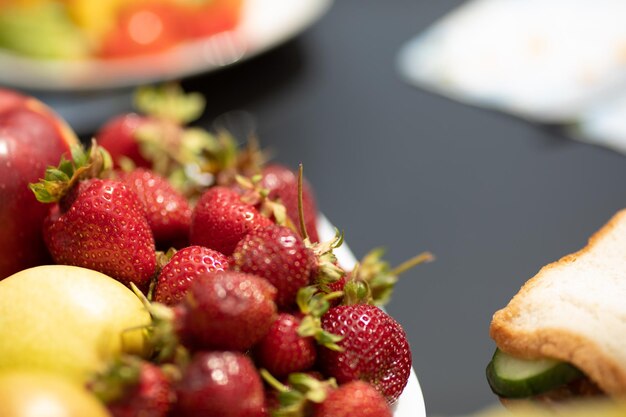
{"x": 493, "y": 197}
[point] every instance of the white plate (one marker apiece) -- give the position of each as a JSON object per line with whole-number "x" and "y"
{"x": 411, "y": 402}
{"x": 264, "y": 25}
{"x": 543, "y": 60}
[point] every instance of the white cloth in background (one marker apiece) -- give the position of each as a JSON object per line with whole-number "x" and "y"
{"x": 549, "y": 61}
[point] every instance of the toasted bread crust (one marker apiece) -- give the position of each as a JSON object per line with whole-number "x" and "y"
{"x": 557, "y": 343}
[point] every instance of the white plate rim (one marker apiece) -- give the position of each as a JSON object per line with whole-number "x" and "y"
{"x": 411, "y": 402}
{"x": 264, "y": 24}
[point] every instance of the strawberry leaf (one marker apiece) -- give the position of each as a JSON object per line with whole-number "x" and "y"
{"x": 170, "y": 102}
{"x": 313, "y": 389}
{"x": 379, "y": 277}
{"x": 59, "y": 180}
{"x": 54, "y": 174}
{"x": 314, "y": 304}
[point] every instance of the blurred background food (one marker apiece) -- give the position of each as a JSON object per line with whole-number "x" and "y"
{"x": 109, "y": 29}
{"x": 596, "y": 408}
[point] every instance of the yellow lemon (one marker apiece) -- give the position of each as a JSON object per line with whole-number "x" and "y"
{"x": 38, "y": 395}
{"x": 67, "y": 320}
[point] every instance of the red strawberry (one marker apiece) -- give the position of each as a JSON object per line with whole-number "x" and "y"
{"x": 101, "y": 225}
{"x": 117, "y": 136}
{"x": 282, "y": 183}
{"x": 279, "y": 255}
{"x": 182, "y": 268}
{"x": 167, "y": 210}
{"x": 282, "y": 351}
{"x": 221, "y": 219}
{"x": 375, "y": 349}
{"x": 131, "y": 387}
{"x": 152, "y": 138}
{"x": 356, "y": 398}
{"x": 224, "y": 384}
{"x": 226, "y": 310}
{"x": 338, "y": 285}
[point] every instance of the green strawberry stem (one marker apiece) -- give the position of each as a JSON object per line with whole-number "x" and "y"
{"x": 272, "y": 381}
{"x": 303, "y": 231}
{"x": 357, "y": 292}
{"x": 311, "y": 301}
{"x": 162, "y": 335}
{"x": 327, "y": 270}
{"x": 410, "y": 263}
{"x": 314, "y": 304}
{"x": 372, "y": 280}
{"x": 258, "y": 196}
{"x": 169, "y": 102}
{"x": 112, "y": 383}
{"x": 58, "y": 181}
{"x": 313, "y": 389}
{"x": 295, "y": 398}
{"x": 192, "y": 158}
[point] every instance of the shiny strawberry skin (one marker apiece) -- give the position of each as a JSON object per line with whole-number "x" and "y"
{"x": 220, "y": 220}
{"x": 103, "y": 228}
{"x": 279, "y": 255}
{"x": 167, "y": 210}
{"x": 224, "y": 384}
{"x": 375, "y": 349}
{"x": 283, "y": 185}
{"x": 356, "y": 398}
{"x": 152, "y": 396}
{"x": 226, "y": 310}
{"x": 184, "y": 266}
{"x": 117, "y": 136}
{"x": 282, "y": 351}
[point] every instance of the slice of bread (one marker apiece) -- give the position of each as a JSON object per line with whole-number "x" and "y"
{"x": 575, "y": 310}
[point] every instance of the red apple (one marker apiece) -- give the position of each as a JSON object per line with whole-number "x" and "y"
{"x": 32, "y": 137}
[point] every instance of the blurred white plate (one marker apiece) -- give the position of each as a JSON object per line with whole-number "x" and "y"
{"x": 411, "y": 402}
{"x": 264, "y": 25}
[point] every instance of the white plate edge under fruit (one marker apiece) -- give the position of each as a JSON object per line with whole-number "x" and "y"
{"x": 411, "y": 402}
{"x": 264, "y": 25}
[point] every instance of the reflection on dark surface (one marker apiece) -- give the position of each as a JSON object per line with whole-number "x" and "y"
{"x": 249, "y": 81}
{"x": 231, "y": 88}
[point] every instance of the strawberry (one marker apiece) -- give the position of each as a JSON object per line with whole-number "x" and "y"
{"x": 221, "y": 219}
{"x": 226, "y": 310}
{"x": 224, "y": 384}
{"x": 282, "y": 183}
{"x": 167, "y": 210}
{"x": 356, "y": 398}
{"x": 95, "y": 223}
{"x": 338, "y": 285}
{"x": 282, "y": 350}
{"x": 152, "y": 137}
{"x": 131, "y": 387}
{"x": 290, "y": 345}
{"x": 102, "y": 226}
{"x": 375, "y": 349}
{"x": 117, "y": 136}
{"x": 279, "y": 255}
{"x": 182, "y": 268}
{"x": 306, "y": 395}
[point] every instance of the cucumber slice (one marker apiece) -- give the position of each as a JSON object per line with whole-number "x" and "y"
{"x": 512, "y": 377}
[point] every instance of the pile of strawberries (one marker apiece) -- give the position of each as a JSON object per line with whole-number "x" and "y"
{"x": 251, "y": 314}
